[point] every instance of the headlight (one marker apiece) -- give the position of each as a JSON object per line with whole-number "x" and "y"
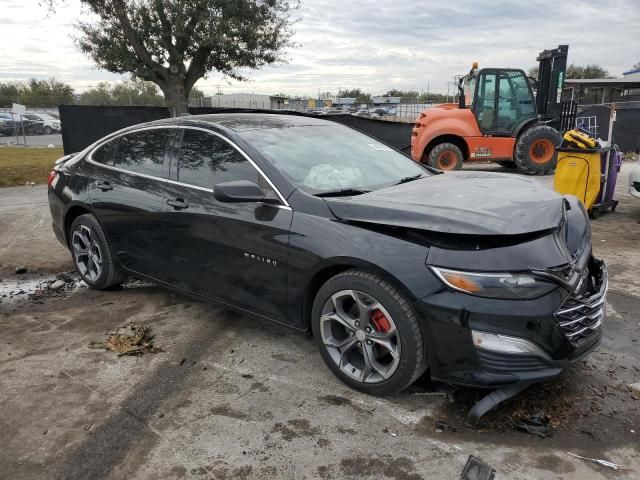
{"x": 508, "y": 286}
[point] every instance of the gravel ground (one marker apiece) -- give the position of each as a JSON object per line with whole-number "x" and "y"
{"x": 34, "y": 140}
{"x": 229, "y": 397}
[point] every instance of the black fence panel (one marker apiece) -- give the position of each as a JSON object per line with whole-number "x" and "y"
{"x": 626, "y": 129}
{"x": 396, "y": 134}
{"x": 84, "y": 124}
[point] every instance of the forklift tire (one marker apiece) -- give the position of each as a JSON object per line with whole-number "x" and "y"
{"x": 536, "y": 150}
{"x": 446, "y": 156}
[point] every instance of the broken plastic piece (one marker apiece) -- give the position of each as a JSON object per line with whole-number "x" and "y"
{"x": 604, "y": 463}
{"x": 492, "y": 400}
{"x": 476, "y": 469}
{"x": 535, "y": 425}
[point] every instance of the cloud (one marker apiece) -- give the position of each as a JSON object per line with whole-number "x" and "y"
{"x": 371, "y": 44}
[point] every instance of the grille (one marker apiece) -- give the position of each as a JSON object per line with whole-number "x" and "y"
{"x": 580, "y": 316}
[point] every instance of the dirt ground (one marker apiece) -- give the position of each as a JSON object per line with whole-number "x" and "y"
{"x": 231, "y": 397}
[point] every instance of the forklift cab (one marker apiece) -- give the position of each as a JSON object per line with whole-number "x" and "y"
{"x": 501, "y": 99}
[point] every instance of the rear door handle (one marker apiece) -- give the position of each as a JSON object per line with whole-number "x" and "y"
{"x": 177, "y": 203}
{"x": 104, "y": 186}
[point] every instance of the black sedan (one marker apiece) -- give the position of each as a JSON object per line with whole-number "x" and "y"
{"x": 483, "y": 279}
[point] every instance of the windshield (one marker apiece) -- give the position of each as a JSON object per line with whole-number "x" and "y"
{"x": 324, "y": 158}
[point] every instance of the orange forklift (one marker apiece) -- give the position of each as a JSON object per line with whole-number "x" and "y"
{"x": 498, "y": 118}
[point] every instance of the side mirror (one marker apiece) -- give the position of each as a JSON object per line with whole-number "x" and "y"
{"x": 241, "y": 191}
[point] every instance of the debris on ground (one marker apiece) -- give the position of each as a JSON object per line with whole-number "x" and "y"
{"x": 442, "y": 426}
{"x": 130, "y": 339}
{"x": 604, "y": 463}
{"x": 57, "y": 285}
{"x": 21, "y": 269}
{"x": 535, "y": 425}
{"x": 386, "y": 430}
{"x": 476, "y": 469}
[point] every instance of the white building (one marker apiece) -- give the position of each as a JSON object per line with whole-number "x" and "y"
{"x": 246, "y": 100}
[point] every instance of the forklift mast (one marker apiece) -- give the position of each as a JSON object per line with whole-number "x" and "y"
{"x": 551, "y": 72}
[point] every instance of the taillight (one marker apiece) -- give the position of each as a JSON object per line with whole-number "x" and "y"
{"x": 52, "y": 176}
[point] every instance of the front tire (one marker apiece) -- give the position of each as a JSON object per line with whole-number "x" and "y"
{"x": 367, "y": 333}
{"x": 535, "y": 152}
{"x": 47, "y": 130}
{"x": 91, "y": 254}
{"x": 446, "y": 156}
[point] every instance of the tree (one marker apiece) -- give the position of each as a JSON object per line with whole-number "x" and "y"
{"x": 129, "y": 92}
{"x": 98, "y": 95}
{"x": 36, "y": 93}
{"x": 8, "y": 94}
{"x": 578, "y": 71}
{"x": 406, "y": 96}
{"x": 174, "y": 43}
{"x": 433, "y": 98}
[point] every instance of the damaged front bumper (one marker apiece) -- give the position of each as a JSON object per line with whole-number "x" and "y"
{"x": 492, "y": 343}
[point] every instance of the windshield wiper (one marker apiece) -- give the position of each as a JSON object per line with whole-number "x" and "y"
{"x": 410, "y": 179}
{"x": 342, "y": 192}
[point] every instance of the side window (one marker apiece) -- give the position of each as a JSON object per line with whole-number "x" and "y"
{"x": 143, "y": 151}
{"x": 105, "y": 153}
{"x": 206, "y": 160}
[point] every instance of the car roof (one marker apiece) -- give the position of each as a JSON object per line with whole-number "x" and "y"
{"x": 239, "y": 122}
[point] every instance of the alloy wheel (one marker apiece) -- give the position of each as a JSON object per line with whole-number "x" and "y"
{"x": 360, "y": 336}
{"x": 86, "y": 252}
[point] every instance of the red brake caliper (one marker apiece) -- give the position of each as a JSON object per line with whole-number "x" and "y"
{"x": 380, "y": 321}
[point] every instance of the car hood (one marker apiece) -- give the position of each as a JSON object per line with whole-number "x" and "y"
{"x": 473, "y": 203}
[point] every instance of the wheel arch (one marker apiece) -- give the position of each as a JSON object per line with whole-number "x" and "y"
{"x": 523, "y": 126}
{"x": 332, "y": 267}
{"x": 457, "y": 140}
{"x": 72, "y": 213}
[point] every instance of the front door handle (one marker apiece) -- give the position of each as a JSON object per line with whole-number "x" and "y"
{"x": 104, "y": 186}
{"x": 177, "y": 203}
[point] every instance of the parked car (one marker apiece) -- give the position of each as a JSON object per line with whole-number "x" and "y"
{"x": 485, "y": 279}
{"x": 31, "y": 126}
{"x": 14, "y": 125}
{"x": 7, "y": 125}
{"x": 634, "y": 181}
{"x": 50, "y": 124}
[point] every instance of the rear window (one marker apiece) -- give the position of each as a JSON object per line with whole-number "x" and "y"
{"x": 105, "y": 153}
{"x": 143, "y": 151}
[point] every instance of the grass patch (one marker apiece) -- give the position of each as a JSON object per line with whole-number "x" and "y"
{"x": 19, "y": 165}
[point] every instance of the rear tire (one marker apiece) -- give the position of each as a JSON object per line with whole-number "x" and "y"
{"x": 354, "y": 307}
{"x": 535, "y": 150}
{"x": 92, "y": 255}
{"x": 446, "y": 156}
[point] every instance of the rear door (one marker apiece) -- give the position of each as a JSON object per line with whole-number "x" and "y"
{"x": 232, "y": 252}
{"x": 127, "y": 196}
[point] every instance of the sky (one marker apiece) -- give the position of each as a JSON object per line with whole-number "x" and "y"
{"x": 375, "y": 45}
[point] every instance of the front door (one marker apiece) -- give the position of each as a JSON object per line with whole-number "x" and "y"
{"x": 232, "y": 252}
{"x": 127, "y": 196}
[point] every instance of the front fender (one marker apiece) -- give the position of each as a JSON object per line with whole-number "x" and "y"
{"x": 342, "y": 246}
